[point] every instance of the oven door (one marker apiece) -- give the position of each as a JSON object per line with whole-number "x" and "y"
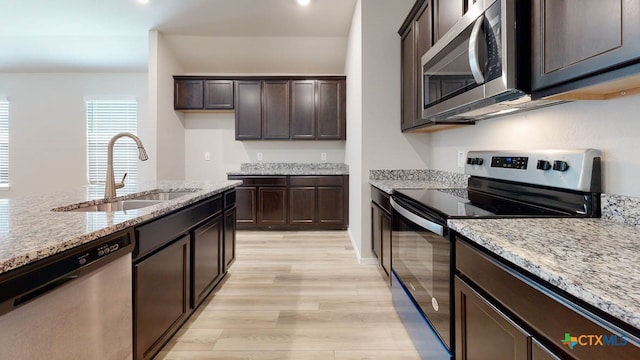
{"x": 422, "y": 262}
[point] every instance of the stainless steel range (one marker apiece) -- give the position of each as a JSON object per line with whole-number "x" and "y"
{"x": 547, "y": 183}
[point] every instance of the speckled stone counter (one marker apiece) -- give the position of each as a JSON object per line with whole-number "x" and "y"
{"x": 592, "y": 259}
{"x": 30, "y": 231}
{"x": 388, "y": 180}
{"x": 291, "y": 169}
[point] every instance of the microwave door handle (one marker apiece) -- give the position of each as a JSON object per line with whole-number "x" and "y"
{"x": 474, "y": 51}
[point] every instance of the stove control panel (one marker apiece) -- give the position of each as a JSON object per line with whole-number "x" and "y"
{"x": 567, "y": 169}
{"x": 510, "y": 162}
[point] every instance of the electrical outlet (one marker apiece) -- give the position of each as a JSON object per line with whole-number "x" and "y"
{"x": 323, "y": 156}
{"x": 461, "y": 158}
{"x": 259, "y": 156}
{"x": 207, "y": 156}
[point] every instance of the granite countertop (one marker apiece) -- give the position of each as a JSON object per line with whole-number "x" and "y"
{"x": 30, "y": 231}
{"x": 592, "y": 259}
{"x": 388, "y": 180}
{"x": 247, "y": 169}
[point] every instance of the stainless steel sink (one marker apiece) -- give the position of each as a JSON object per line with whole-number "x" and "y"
{"x": 130, "y": 202}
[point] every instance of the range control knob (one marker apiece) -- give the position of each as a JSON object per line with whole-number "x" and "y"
{"x": 559, "y": 165}
{"x": 475, "y": 161}
{"x": 543, "y": 165}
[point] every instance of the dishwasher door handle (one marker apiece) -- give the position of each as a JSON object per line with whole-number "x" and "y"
{"x": 44, "y": 289}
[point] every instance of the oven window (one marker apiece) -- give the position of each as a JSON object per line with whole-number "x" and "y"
{"x": 422, "y": 262}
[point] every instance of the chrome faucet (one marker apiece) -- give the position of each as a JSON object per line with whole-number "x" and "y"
{"x": 111, "y": 185}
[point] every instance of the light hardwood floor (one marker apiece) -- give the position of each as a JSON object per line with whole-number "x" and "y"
{"x": 295, "y": 295}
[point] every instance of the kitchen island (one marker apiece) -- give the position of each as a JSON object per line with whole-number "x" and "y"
{"x": 31, "y": 231}
{"x": 182, "y": 235}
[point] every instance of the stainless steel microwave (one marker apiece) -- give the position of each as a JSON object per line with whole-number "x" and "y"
{"x": 481, "y": 67}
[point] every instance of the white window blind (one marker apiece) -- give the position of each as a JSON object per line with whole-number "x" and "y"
{"x": 4, "y": 142}
{"x": 106, "y": 118}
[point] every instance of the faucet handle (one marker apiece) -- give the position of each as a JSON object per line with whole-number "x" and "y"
{"x": 121, "y": 183}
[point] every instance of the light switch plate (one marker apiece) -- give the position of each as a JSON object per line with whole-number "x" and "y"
{"x": 207, "y": 156}
{"x": 323, "y": 156}
{"x": 259, "y": 156}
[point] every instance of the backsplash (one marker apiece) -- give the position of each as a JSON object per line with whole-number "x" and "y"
{"x": 420, "y": 174}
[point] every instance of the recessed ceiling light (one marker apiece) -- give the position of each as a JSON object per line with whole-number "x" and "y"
{"x": 143, "y": 1}
{"x": 304, "y": 2}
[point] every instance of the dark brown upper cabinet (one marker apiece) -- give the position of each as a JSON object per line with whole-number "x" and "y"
{"x": 275, "y": 110}
{"x": 248, "y": 110}
{"x": 218, "y": 94}
{"x": 202, "y": 94}
{"x": 331, "y": 110}
{"x": 445, "y": 14}
{"x": 188, "y": 94}
{"x": 578, "y": 43}
{"x": 416, "y": 40}
{"x": 318, "y": 110}
{"x": 303, "y": 114}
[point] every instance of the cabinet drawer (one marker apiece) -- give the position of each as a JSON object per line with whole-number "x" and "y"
{"x": 159, "y": 232}
{"x": 381, "y": 199}
{"x": 329, "y": 180}
{"x": 549, "y": 314}
{"x": 261, "y": 180}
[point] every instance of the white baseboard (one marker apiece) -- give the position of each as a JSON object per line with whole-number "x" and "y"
{"x": 361, "y": 260}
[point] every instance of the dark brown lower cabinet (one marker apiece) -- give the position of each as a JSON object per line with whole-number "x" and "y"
{"x": 178, "y": 260}
{"x": 504, "y": 313}
{"x": 381, "y": 231}
{"x": 206, "y": 258}
{"x": 246, "y": 209}
{"x": 229, "y": 238}
{"x": 272, "y": 205}
{"x": 297, "y": 202}
{"x": 161, "y": 297}
{"x": 483, "y": 332}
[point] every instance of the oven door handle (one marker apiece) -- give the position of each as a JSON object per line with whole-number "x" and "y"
{"x": 422, "y": 222}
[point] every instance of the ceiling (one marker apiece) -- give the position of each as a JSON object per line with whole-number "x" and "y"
{"x": 112, "y": 35}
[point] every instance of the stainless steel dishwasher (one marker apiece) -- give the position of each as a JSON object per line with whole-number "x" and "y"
{"x": 73, "y": 305}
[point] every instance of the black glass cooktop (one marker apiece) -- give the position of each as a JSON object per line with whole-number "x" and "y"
{"x": 461, "y": 203}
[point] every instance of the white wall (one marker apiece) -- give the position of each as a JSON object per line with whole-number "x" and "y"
{"x": 611, "y": 126}
{"x": 214, "y": 132}
{"x": 169, "y": 124}
{"x": 47, "y": 126}
{"x": 375, "y": 140}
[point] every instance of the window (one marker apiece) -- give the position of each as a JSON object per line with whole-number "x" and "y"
{"x": 4, "y": 143}
{"x": 106, "y": 118}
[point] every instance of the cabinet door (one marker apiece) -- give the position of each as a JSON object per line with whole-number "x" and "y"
{"x": 446, "y": 13}
{"x": 376, "y": 230}
{"x": 248, "y": 110}
{"x": 218, "y": 94}
{"x": 409, "y": 89}
{"x": 272, "y": 205}
{"x": 275, "y": 110}
{"x": 541, "y": 352}
{"x": 161, "y": 297}
{"x": 331, "y": 205}
{"x": 302, "y": 205}
{"x": 303, "y": 115}
{"x": 246, "y": 204}
{"x": 206, "y": 259}
{"x": 331, "y": 112}
{"x": 385, "y": 244}
{"x": 423, "y": 38}
{"x": 188, "y": 94}
{"x": 484, "y": 332}
{"x": 575, "y": 38}
{"x": 229, "y": 238}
